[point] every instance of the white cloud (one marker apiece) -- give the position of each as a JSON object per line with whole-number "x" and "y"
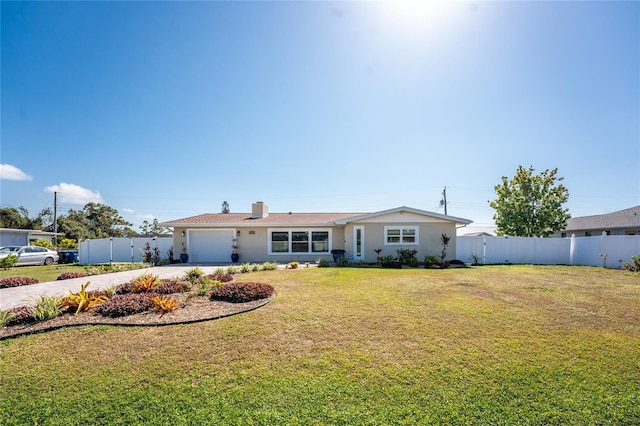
{"x": 74, "y": 194}
{"x": 9, "y": 172}
{"x": 140, "y": 215}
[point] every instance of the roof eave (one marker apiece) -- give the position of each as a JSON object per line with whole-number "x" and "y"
{"x": 247, "y": 225}
{"x": 405, "y": 209}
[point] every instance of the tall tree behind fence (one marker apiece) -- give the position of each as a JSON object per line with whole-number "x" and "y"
{"x": 105, "y": 250}
{"x": 590, "y": 251}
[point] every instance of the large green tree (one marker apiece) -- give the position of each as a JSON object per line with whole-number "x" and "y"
{"x": 18, "y": 218}
{"x": 95, "y": 220}
{"x": 530, "y": 205}
{"x": 152, "y": 229}
{"x": 13, "y": 218}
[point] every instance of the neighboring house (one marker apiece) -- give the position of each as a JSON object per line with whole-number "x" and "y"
{"x": 478, "y": 234}
{"x": 621, "y": 222}
{"x": 283, "y": 237}
{"x": 23, "y": 237}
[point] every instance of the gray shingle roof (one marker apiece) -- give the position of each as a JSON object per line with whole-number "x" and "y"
{"x": 628, "y": 218}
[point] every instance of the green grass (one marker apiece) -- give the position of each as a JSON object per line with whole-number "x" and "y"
{"x": 341, "y": 346}
{"x": 43, "y": 273}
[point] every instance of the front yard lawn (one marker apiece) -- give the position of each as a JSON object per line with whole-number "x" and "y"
{"x": 489, "y": 345}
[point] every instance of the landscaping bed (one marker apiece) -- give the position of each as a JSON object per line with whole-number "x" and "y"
{"x": 193, "y": 310}
{"x": 164, "y": 302}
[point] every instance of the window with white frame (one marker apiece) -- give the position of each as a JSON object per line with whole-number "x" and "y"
{"x": 401, "y": 235}
{"x": 299, "y": 241}
{"x": 279, "y": 242}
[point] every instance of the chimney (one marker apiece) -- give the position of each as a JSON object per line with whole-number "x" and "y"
{"x": 259, "y": 210}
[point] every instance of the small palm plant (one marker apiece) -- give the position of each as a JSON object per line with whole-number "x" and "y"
{"x": 444, "y": 240}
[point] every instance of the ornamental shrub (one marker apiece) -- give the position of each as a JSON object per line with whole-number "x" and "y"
{"x": 17, "y": 281}
{"x": 9, "y": 261}
{"x": 43, "y": 243}
{"x": 46, "y": 308}
{"x": 405, "y": 255}
{"x": 221, "y": 276}
{"x": 83, "y": 300}
{"x": 193, "y": 274}
{"x": 70, "y": 275}
{"x": 126, "y": 304}
{"x": 165, "y": 304}
{"x": 323, "y": 263}
{"x": 172, "y": 286}
{"x": 20, "y": 315}
{"x": 123, "y": 288}
{"x": 144, "y": 283}
{"x": 270, "y": 266}
{"x": 242, "y": 292}
{"x": 5, "y": 317}
{"x": 634, "y": 266}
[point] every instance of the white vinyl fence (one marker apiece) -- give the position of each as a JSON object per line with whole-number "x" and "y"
{"x": 490, "y": 250}
{"x": 107, "y": 250}
{"x": 615, "y": 250}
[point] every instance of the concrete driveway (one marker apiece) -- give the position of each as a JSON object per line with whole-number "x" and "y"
{"x": 16, "y": 296}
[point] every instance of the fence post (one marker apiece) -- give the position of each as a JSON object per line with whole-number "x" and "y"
{"x": 572, "y": 248}
{"x": 484, "y": 249}
{"x": 506, "y": 249}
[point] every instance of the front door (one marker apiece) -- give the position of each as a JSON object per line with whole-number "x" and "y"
{"x": 358, "y": 243}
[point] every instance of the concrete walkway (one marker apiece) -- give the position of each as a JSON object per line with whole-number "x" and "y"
{"x": 16, "y": 296}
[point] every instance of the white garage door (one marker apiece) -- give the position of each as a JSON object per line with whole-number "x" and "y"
{"x": 210, "y": 246}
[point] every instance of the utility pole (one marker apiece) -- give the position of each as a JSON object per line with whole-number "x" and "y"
{"x": 443, "y": 202}
{"x": 55, "y": 218}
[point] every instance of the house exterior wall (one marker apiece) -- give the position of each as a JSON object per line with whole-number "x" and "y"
{"x": 429, "y": 232}
{"x": 253, "y": 244}
{"x": 9, "y": 238}
{"x": 23, "y": 237}
{"x": 179, "y": 242}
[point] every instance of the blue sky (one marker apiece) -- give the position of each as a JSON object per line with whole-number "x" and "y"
{"x": 166, "y": 109}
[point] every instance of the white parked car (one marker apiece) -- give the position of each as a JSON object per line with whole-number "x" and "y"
{"x": 30, "y": 255}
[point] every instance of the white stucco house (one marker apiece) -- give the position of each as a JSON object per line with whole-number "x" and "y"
{"x": 261, "y": 236}
{"x": 23, "y": 237}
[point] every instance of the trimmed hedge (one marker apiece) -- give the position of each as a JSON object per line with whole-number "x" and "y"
{"x": 126, "y": 304}
{"x": 172, "y": 286}
{"x": 70, "y": 275}
{"x": 222, "y": 277}
{"x": 17, "y": 281}
{"x": 242, "y": 292}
